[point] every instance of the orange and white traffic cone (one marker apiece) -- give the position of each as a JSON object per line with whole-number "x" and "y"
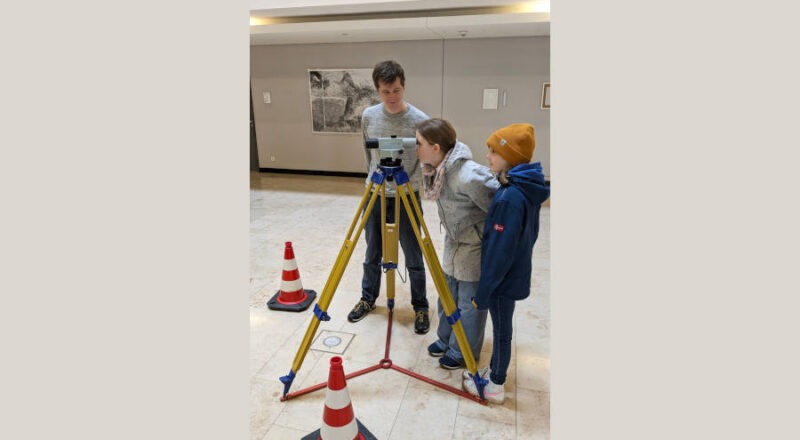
{"x": 292, "y": 296}
{"x": 338, "y": 420}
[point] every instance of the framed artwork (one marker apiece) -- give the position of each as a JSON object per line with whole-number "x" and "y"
{"x": 545, "y": 96}
{"x": 338, "y": 97}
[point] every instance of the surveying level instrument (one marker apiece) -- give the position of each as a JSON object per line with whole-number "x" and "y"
{"x": 390, "y": 168}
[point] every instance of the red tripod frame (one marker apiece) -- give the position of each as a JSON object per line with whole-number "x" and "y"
{"x": 386, "y": 363}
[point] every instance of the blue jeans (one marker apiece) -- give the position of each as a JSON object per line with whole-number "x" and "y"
{"x": 502, "y": 311}
{"x": 371, "y": 282}
{"x": 472, "y": 320}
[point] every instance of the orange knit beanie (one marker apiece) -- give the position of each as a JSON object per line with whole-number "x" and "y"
{"x": 515, "y": 143}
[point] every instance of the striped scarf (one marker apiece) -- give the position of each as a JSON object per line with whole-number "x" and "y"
{"x": 433, "y": 178}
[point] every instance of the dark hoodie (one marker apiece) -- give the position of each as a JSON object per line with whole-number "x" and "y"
{"x": 509, "y": 232}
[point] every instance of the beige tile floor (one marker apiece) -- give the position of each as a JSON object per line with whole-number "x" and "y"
{"x": 314, "y": 212}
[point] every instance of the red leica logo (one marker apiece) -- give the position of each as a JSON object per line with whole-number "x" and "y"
{"x": 498, "y": 228}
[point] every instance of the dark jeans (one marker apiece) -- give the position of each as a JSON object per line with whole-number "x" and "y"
{"x": 371, "y": 283}
{"x": 502, "y": 312}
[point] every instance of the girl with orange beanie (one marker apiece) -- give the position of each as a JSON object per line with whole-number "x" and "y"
{"x": 509, "y": 233}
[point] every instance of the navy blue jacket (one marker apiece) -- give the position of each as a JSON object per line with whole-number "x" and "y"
{"x": 509, "y": 232}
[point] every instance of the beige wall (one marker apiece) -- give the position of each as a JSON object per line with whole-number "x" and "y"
{"x": 444, "y": 78}
{"x": 516, "y": 66}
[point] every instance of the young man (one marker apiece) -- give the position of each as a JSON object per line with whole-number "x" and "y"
{"x": 392, "y": 117}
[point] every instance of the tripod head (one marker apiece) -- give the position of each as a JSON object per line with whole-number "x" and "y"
{"x": 390, "y": 150}
{"x": 391, "y": 163}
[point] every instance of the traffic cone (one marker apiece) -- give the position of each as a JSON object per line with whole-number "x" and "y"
{"x": 338, "y": 420}
{"x": 292, "y": 296}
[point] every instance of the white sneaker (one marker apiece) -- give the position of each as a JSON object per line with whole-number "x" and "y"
{"x": 483, "y": 372}
{"x": 492, "y": 392}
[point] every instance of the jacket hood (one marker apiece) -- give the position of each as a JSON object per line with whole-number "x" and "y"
{"x": 529, "y": 178}
{"x": 460, "y": 152}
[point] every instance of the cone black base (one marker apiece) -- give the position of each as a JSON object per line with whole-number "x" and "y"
{"x": 274, "y": 304}
{"x": 361, "y": 430}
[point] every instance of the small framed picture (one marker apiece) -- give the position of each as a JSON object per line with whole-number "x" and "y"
{"x": 546, "y": 96}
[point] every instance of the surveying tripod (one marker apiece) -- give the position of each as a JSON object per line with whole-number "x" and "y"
{"x": 389, "y": 168}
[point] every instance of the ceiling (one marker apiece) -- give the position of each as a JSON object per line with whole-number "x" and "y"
{"x": 349, "y": 21}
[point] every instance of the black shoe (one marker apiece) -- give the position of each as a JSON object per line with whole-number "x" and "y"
{"x": 360, "y": 311}
{"x": 434, "y": 350}
{"x": 421, "y": 323}
{"x": 449, "y": 363}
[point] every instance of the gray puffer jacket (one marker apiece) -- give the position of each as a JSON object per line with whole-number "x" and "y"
{"x": 464, "y": 200}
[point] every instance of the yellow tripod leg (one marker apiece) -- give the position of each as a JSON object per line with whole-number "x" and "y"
{"x": 391, "y": 236}
{"x": 435, "y": 269}
{"x": 321, "y": 308}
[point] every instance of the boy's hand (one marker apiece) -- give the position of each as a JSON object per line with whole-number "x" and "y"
{"x": 475, "y": 304}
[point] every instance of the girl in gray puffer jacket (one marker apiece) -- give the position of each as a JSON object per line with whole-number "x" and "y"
{"x": 463, "y": 190}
